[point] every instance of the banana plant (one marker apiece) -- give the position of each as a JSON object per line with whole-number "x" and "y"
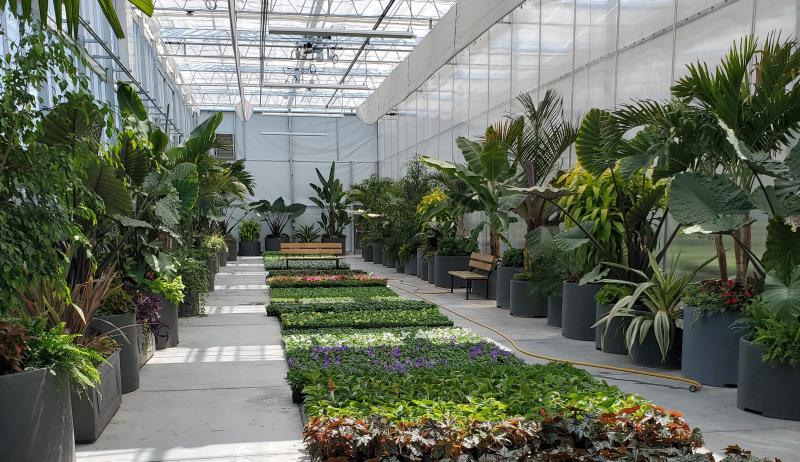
{"x": 333, "y": 201}
{"x": 277, "y": 214}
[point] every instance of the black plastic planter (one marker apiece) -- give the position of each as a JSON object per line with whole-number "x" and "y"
{"x": 37, "y": 417}
{"x": 431, "y": 271}
{"x": 410, "y": 266}
{"x": 190, "y": 306}
{"x": 769, "y": 389}
{"x": 504, "y": 275}
{"x": 249, "y": 248}
{"x": 93, "y": 409}
{"x": 366, "y": 253}
{"x": 554, "y": 314}
{"x": 167, "y": 332}
{"x": 648, "y": 354}
{"x": 273, "y": 244}
{"x": 613, "y": 330}
{"x": 231, "y": 256}
{"x": 336, "y": 240}
{"x": 524, "y": 302}
{"x": 422, "y": 265}
{"x": 577, "y": 310}
{"x": 711, "y": 347}
{"x": 123, "y": 329}
{"x": 444, "y": 264}
{"x": 147, "y": 345}
{"x": 377, "y": 253}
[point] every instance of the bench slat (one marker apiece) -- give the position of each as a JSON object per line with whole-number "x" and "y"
{"x": 486, "y": 258}
{"x": 481, "y": 265}
{"x": 311, "y": 251}
{"x": 311, "y": 245}
{"x": 468, "y": 275}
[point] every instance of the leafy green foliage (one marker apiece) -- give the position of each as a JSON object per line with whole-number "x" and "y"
{"x": 117, "y": 301}
{"x": 610, "y": 294}
{"x": 514, "y": 258}
{"x": 306, "y": 233}
{"x": 194, "y": 275}
{"x": 13, "y": 346}
{"x": 278, "y": 308}
{"x": 275, "y": 264}
{"x": 452, "y": 246}
{"x": 335, "y": 280}
{"x": 364, "y": 319}
{"x": 524, "y": 276}
{"x": 249, "y": 231}
{"x": 717, "y": 296}
{"x": 333, "y": 201}
{"x": 333, "y": 294}
{"x": 313, "y": 272}
{"x": 69, "y": 11}
{"x": 780, "y": 337}
{"x": 277, "y": 214}
{"x": 170, "y": 289}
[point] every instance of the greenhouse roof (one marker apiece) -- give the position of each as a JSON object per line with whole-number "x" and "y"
{"x": 290, "y": 55}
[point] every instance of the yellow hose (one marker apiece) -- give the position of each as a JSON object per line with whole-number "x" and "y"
{"x": 694, "y": 385}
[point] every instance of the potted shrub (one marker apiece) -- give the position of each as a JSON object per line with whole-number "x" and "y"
{"x": 511, "y": 264}
{"x": 610, "y": 336}
{"x": 452, "y": 254}
{"x": 769, "y": 359}
{"x": 170, "y": 295}
{"x": 37, "y": 367}
{"x": 654, "y": 334}
{"x": 277, "y": 215}
{"x": 373, "y": 194}
{"x": 217, "y": 249}
{"x": 332, "y": 201}
{"x": 524, "y": 300}
{"x": 249, "y": 232}
{"x": 116, "y": 318}
{"x": 194, "y": 275}
{"x": 711, "y": 334}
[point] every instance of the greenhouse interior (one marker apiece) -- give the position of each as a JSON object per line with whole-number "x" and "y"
{"x": 400, "y": 230}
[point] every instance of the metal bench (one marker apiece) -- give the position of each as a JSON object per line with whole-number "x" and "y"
{"x": 481, "y": 266}
{"x": 321, "y": 251}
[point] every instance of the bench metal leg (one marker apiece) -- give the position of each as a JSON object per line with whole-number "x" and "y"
{"x": 469, "y": 287}
{"x": 287, "y": 263}
{"x": 451, "y": 283}
{"x": 337, "y": 263}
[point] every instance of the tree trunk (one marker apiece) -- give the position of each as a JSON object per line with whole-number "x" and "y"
{"x": 494, "y": 243}
{"x": 722, "y": 259}
{"x": 744, "y": 235}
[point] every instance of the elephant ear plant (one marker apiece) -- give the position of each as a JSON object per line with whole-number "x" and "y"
{"x": 277, "y": 214}
{"x": 333, "y": 201}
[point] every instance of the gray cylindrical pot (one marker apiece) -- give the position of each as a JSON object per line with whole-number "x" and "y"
{"x": 367, "y": 253}
{"x": 167, "y": 332}
{"x": 504, "y": 275}
{"x": 524, "y": 302}
{"x": 613, "y": 331}
{"x": 410, "y": 266}
{"x": 711, "y": 347}
{"x": 190, "y": 306}
{"x": 444, "y": 264}
{"x": 223, "y": 259}
{"x": 377, "y": 253}
{"x": 231, "y": 256}
{"x": 769, "y": 389}
{"x": 124, "y": 330}
{"x": 578, "y": 310}
{"x": 93, "y": 409}
{"x": 249, "y": 248}
{"x": 37, "y": 417}
{"x": 211, "y": 274}
{"x": 147, "y": 345}
{"x": 554, "y": 314}
{"x": 646, "y": 353}
{"x": 431, "y": 271}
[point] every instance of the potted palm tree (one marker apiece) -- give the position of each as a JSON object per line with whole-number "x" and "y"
{"x": 333, "y": 202}
{"x": 277, "y": 215}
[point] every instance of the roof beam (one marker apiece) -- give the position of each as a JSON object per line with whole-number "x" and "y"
{"x": 374, "y": 33}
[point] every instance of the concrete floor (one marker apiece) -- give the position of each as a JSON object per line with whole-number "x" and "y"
{"x": 220, "y": 395}
{"x": 711, "y": 409}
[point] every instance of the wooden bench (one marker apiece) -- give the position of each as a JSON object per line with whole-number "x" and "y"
{"x": 295, "y": 251}
{"x": 481, "y": 266}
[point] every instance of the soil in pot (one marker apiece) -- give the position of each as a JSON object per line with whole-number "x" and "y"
{"x": 125, "y": 331}
{"x": 37, "y": 417}
{"x": 504, "y": 275}
{"x": 366, "y": 253}
{"x": 377, "y": 253}
{"x": 525, "y": 303}
{"x": 613, "y": 331}
{"x": 769, "y": 389}
{"x": 554, "y": 314}
{"x": 249, "y": 248}
{"x": 711, "y": 347}
{"x": 578, "y": 310}
{"x": 167, "y": 331}
{"x": 93, "y": 409}
{"x": 648, "y": 354}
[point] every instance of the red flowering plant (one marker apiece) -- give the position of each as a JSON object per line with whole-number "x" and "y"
{"x": 718, "y": 296}
{"x": 326, "y": 280}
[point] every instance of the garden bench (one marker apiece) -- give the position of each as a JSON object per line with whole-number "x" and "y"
{"x": 481, "y": 266}
{"x": 311, "y": 251}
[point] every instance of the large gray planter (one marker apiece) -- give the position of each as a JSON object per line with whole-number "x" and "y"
{"x": 431, "y": 271}
{"x": 444, "y": 264}
{"x": 377, "y": 253}
{"x": 249, "y": 248}
{"x": 211, "y": 274}
{"x": 167, "y": 335}
{"x": 93, "y": 409}
{"x": 36, "y": 423}
{"x": 524, "y": 302}
{"x": 388, "y": 261}
{"x": 147, "y": 345}
{"x": 769, "y": 389}
{"x": 422, "y": 264}
{"x": 646, "y": 353}
{"x": 231, "y": 256}
{"x": 123, "y": 329}
{"x": 578, "y": 310}
{"x": 223, "y": 259}
{"x": 711, "y": 347}
{"x": 336, "y": 240}
{"x": 410, "y": 266}
{"x": 554, "y": 314}
{"x": 504, "y": 275}
{"x": 367, "y": 253}
{"x": 613, "y": 331}
{"x": 273, "y": 244}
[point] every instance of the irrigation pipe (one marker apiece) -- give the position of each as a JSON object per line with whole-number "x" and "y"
{"x": 694, "y": 385}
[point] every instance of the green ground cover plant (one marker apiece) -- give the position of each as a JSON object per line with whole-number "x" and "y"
{"x": 273, "y": 261}
{"x": 279, "y": 308}
{"x": 325, "y": 280}
{"x": 313, "y": 272}
{"x": 332, "y": 294}
{"x": 365, "y": 319}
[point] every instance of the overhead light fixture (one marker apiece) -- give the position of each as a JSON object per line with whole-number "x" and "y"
{"x": 342, "y": 32}
{"x": 293, "y": 134}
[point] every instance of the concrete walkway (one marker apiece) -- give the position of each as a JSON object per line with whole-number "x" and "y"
{"x": 713, "y": 410}
{"x": 220, "y": 395}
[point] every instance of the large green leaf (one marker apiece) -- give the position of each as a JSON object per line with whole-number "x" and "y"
{"x": 573, "y": 238}
{"x": 782, "y": 254}
{"x": 78, "y": 118}
{"x": 185, "y": 181}
{"x": 129, "y": 102}
{"x": 135, "y": 161}
{"x": 472, "y": 153}
{"x": 167, "y": 209}
{"x": 441, "y": 165}
{"x": 596, "y": 140}
{"x": 782, "y": 296}
{"x": 708, "y": 203}
{"x": 102, "y": 179}
{"x": 642, "y": 209}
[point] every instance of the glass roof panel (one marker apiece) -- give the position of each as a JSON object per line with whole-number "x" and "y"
{"x": 294, "y": 55}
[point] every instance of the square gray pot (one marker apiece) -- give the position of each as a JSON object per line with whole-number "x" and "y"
{"x": 504, "y": 275}
{"x": 223, "y": 259}
{"x": 190, "y": 306}
{"x": 388, "y": 261}
{"x": 366, "y": 253}
{"x": 377, "y": 253}
{"x": 123, "y": 329}
{"x": 249, "y": 248}
{"x": 711, "y": 347}
{"x": 210, "y": 265}
{"x": 37, "y": 417}
{"x": 93, "y": 410}
{"x": 410, "y": 266}
{"x": 444, "y": 264}
{"x": 231, "y": 255}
